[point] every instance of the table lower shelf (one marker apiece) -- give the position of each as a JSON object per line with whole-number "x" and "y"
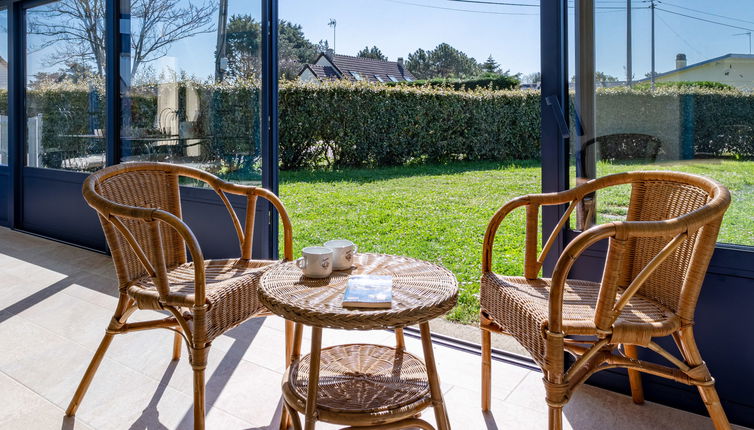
{"x": 360, "y": 384}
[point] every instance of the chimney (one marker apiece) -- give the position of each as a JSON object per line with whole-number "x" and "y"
{"x": 400, "y": 61}
{"x": 330, "y": 52}
{"x": 680, "y": 61}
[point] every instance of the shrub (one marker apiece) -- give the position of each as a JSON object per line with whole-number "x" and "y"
{"x": 356, "y": 124}
{"x": 488, "y": 81}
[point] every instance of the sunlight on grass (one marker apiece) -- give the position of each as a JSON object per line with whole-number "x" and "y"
{"x": 439, "y": 212}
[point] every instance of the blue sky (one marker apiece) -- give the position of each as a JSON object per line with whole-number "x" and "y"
{"x": 509, "y": 33}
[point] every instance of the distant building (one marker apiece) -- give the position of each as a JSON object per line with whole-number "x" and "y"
{"x": 736, "y": 70}
{"x": 336, "y": 66}
{"x": 3, "y": 74}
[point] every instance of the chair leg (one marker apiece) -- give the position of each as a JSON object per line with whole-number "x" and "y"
{"x": 89, "y": 374}
{"x": 486, "y": 369}
{"x": 634, "y": 376}
{"x": 285, "y": 417}
{"x": 709, "y": 394}
{"x": 555, "y": 418}
{"x": 199, "y": 364}
{"x": 177, "y": 343}
{"x": 123, "y": 310}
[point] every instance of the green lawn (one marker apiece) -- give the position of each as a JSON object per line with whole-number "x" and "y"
{"x": 439, "y": 212}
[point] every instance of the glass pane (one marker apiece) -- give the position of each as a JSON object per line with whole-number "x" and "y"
{"x": 65, "y": 93}
{"x": 681, "y": 102}
{"x": 405, "y": 125}
{"x": 189, "y": 96}
{"x": 3, "y": 86}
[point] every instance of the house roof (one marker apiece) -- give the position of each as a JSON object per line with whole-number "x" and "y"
{"x": 367, "y": 69}
{"x": 711, "y": 60}
{"x": 322, "y": 72}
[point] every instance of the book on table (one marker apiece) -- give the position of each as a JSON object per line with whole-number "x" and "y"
{"x": 368, "y": 291}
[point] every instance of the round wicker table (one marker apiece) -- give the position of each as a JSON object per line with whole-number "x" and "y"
{"x": 361, "y": 385}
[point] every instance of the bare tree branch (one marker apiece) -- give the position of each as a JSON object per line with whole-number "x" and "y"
{"x": 75, "y": 29}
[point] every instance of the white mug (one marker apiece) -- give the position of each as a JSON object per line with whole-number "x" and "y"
{"x": 343, "y": 251}
{"x": 316, "y": 261}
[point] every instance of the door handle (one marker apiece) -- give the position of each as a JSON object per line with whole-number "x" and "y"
{"x": 557, "y": 110}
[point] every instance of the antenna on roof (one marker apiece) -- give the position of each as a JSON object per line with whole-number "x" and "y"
{"x": 333, "y": 24}
{"x": 748, "y": 33}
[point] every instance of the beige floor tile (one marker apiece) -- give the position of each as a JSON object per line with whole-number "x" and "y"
{"x": 22, "y": 408}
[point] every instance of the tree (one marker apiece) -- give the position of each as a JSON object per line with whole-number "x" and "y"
{"x": 76, "y": 29}
{"x": 491, "y": 66}
{"x": 444, "y": 61}
{"x": 533, "y": 78}
{"x": 244, "y": 42}
{"x": 373, "y": 52}
{"x": 604, "y": 78}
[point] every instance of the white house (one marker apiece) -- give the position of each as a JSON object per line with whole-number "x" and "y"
{"x": 736, "y": 70}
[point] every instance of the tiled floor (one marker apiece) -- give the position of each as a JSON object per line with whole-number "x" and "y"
{"x": 55, "y": 301}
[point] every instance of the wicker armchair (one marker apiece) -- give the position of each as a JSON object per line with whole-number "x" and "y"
{"x": 140, "y": 211}
{"x": 656, "y": 262}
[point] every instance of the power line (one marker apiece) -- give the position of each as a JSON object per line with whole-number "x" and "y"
{"x": 500, "y": 3}
{"x": 680, "y": 37}
{"x": 704, "y": 19}
{"x": 462, "y": 10}
{"x": 707, "y": 13}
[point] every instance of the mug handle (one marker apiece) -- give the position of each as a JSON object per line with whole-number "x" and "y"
{"x": 350, "y": 253}
{"x": 299, "y": 263}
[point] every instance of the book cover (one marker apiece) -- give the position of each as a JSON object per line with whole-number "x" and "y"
{"x": 368, "y": 291}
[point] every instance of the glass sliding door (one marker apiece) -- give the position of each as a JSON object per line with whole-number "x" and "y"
{"x": 63, "y": 103}
{"x": 191, "y": 94}
{"x": 656, "y": 85}
{"x": 192, "y": 86}
{"x": 65, "y": 87}
{"x": 99, "y": 82}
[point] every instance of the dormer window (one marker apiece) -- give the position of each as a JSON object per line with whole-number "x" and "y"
{"x": 356, "y": 75}
{"x": 379, "y": 78}
{"x": 392, "y": 78}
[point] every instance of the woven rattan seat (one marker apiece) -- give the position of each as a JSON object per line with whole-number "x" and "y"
{"x": 653, "y": 272}
{"x": 231, "y": 291}
{"x": 359, "y": 379}
{"x": 521, "y": 305}
{"x": 139, "y": 207}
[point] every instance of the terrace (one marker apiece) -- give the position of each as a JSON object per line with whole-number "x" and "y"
{"x": 48, "y": 286}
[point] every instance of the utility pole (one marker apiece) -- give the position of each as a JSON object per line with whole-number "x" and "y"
{"x": 333, "y": 24}
{"x": 221, "y": 61}
{"x": 653, "y": 44}
{"x": 748, "y": 33}
{"x": 629, "y": 54}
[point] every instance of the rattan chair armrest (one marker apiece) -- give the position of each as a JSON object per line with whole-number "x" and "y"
{"x": 197, "y": 257}
{"x": 563, "y": 267}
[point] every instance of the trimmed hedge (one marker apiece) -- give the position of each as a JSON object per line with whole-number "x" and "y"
{"x": 340, "y": 123}
{"x": 357, "y": 124}
{"x": 496, "y": 82}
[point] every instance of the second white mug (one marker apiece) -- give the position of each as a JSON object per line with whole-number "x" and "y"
{"x": 316, "y": 261}
{"x": 343, "y": 251}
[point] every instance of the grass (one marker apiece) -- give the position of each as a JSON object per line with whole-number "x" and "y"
{"x": 439, "y": 212}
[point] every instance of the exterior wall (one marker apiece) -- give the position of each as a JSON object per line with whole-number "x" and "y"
{"x": 323, "y": 61}
{"x": 740, "y": 73}
{"x": 308, "y": 76}
{"x": 4, "y": 76}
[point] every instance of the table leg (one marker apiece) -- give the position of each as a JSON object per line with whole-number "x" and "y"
{"x": 311, "y": 396}
{"x": 400, "y": 340}
{"x": 441, "y": 414}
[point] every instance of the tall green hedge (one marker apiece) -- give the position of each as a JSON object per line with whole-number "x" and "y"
{"x": 354, "y": 124}
{"x": 360, "y": 124}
